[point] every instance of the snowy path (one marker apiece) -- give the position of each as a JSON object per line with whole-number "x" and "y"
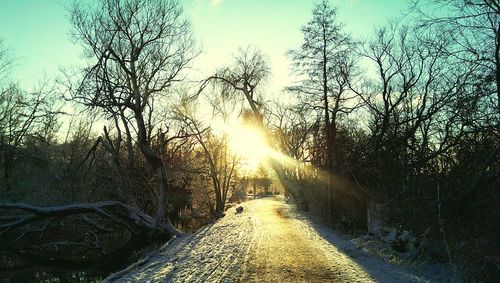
{"x": 269, "y": 242}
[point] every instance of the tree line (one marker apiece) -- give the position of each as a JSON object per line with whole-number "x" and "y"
{"x": 402, "y": 129}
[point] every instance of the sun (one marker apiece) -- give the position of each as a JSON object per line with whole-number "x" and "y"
{"x": 247, "y": 142}
{"x": 250, "y": 144}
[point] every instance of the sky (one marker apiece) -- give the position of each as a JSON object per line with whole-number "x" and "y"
{"x": 37, "y": 32}
{"x": 273, "y": 26}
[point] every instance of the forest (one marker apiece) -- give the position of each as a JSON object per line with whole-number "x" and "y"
{"x": 396, "y": 132}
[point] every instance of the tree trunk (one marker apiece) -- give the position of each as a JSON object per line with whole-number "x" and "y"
{"x": 219, "y": 206}
{"x": 161, "y": 216}
{"x": 156, "y": 164}
{"x": 497, "y": 65}
{"x": 374, "y": 217}
{"x": 328, "y": 134}
{"x": 6, "y": 170}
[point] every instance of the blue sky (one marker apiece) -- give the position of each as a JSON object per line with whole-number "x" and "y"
{"x": 37, "y": 32}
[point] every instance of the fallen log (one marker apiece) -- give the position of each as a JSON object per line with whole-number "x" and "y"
{"x": 82, "y": 236}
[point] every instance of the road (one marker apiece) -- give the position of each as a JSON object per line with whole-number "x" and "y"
{"x": 270, "y": 241}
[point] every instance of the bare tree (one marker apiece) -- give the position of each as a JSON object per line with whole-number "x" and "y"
{"x": 5, "y": 61}
{"x": 241, "y": 81}
{"x": 221, "y": 163}
{"x": 22, "y": 115}
{"x": 138, "y": 49}
{"x": 293, "y": 129}
{"x": 473, "y": 27}
{"x": 413, "y": 97}
{"x": 325, "y": 65}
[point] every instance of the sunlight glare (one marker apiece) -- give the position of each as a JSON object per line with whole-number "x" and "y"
{"x": 247, "y": 142}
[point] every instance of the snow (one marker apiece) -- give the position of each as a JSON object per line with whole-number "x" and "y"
{"x": 269, "y": 241}
{"x": 216, "y": 251}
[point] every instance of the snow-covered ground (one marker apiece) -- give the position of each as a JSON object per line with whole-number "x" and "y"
{"x": 270, "y": 241}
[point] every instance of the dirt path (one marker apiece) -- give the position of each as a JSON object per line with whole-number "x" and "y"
{"x": 283, "y": 251}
